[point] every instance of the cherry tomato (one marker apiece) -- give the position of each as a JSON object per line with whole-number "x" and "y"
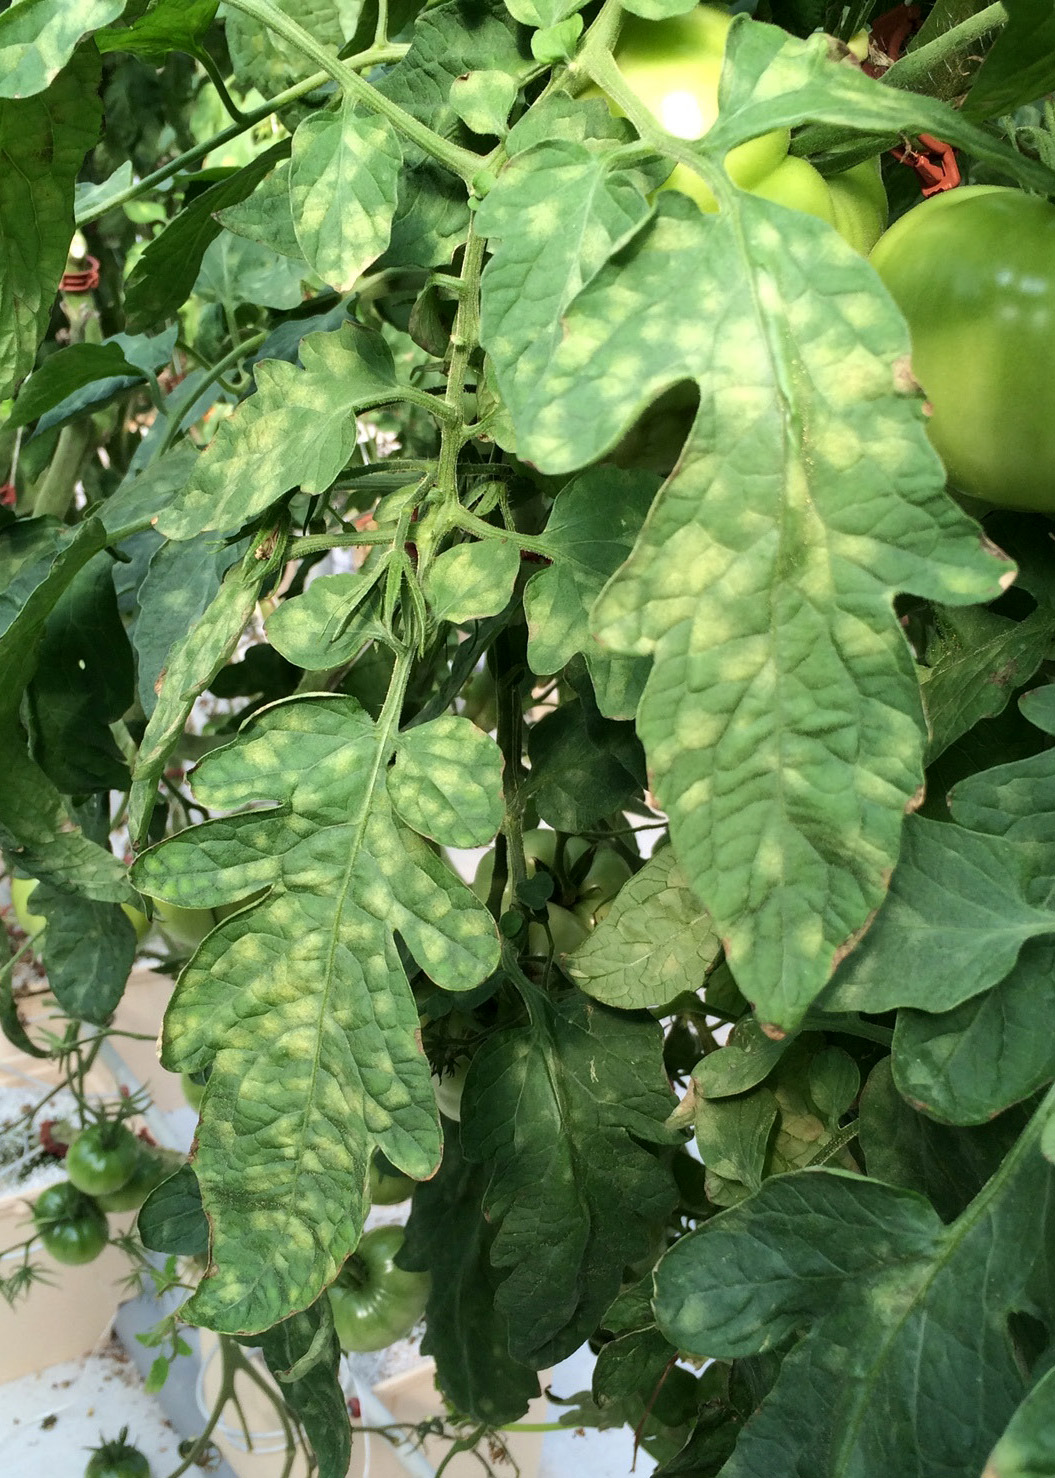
{"x": 375, "y": 1302}
{"x": 70, "y": 1225}
{"x": 102, "y": 1158}
{"x": 973, "y": 271}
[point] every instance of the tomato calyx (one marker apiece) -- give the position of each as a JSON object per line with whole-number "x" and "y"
{"x": 116, "y": 1457}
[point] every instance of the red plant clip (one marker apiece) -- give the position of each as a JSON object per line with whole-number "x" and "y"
{"x": 934, "y": 161}
{"x": 889, "y": 34}
{"x": 8, "y": 495}
{"x": 84, "y": 281}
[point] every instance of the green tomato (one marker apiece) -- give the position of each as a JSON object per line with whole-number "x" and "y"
{"x": 973, "y": 271}
{"x": 449, "y": 1089}
{"x": 859, "y": 204}
{"x": 193, "y": 1090}
{"x": 608, "y": 872}
{"x": 117, "y": 1459}
{"x": 373, "y": 1301}
{"x": 540, "y": 845}
{"x": 102, "y": 1159}
{"x": 33, "y": 923}
{"x": 70, "y": 1225}
{"x": 567, "y": 931}
{"x": 387, "y": 1186}
{"x": 674, "y": 65}
{"x": 153, "y": 1165}
{"x": 183, "y": 928}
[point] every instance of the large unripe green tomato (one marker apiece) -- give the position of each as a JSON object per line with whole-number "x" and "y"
{"x": 674, "y": 66}
{"x": 373, "y": 1301}
{"x": 33, "y": 923}
{"x": 973, "y": 271}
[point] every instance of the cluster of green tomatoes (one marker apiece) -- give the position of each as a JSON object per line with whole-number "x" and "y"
{"x": 108, "y": 1169}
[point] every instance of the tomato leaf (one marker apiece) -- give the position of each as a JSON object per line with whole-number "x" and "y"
{"x": 39, "y": 560}
{"x": 981, "y": 658}
{"x": 312, "y": 1390}
{"x": 1020, "y": 66}
{"x": 82, "y": 685}
{"x": 332, "y": 1066}
{"x": 171, "y": 1219}
{"x": 467, "y": 1335}
{"x": 43, "y": 141}
{"x": 181, "y": 583}
{"x": 592, "y": 527}
{"x": 557, "y": 1107}
{"x": 163, "y": 276}
{"x": 192, "y": 663}
{"x": 38, "y": 38}
{"x": 907, "y": 1148}
{"x": 168, "y": 25}
{"x": 298, "y": 429}
{"x": 1027, "y": 1448}
{"x": 769, "y": 854}
{"x": 960, "y": 908}
{"x": 890, "y": 1369}
{"x": 342, "y": 183}
{"x": 968, "y": 1064}
{"x": 472, "y": 580}
{"x": 655, "y": 941}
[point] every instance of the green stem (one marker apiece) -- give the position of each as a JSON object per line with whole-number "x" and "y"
{"x": 183, "y": 409}
{"x": 836, "y": 1144}
{"x": 216, "y": 78}
{"x": 473, "y": 525}
{"x": 464, "y": 339}
{"x": 55, "y": 491}
{"x": 375, "y": 56}
{"x": 458, "y": 160}
{"x": 915, "y": 70}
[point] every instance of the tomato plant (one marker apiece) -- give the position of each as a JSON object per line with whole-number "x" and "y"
{"x": 117, "y": 1458}
{"x": 71, "y": 1227}
{"x": 476, "y": 561}
{"x": 102, "y": 1158}
{"x": 374, "y": 1301}
{"x": 972, "y": 272}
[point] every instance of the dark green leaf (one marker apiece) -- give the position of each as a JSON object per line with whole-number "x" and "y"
{"x": 314, "y": 1392}
{"x": 171, "y": 1219}
{"x": 906, "y": 1148}
{"x": 557, "y": 1107}
{"x": 892, "y": 1369}
{"x": 994, "y": 1050}
{"x": 162, "y": 278}
{"x": 43, "y": 141}
{"x": 468, "y": 1337}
